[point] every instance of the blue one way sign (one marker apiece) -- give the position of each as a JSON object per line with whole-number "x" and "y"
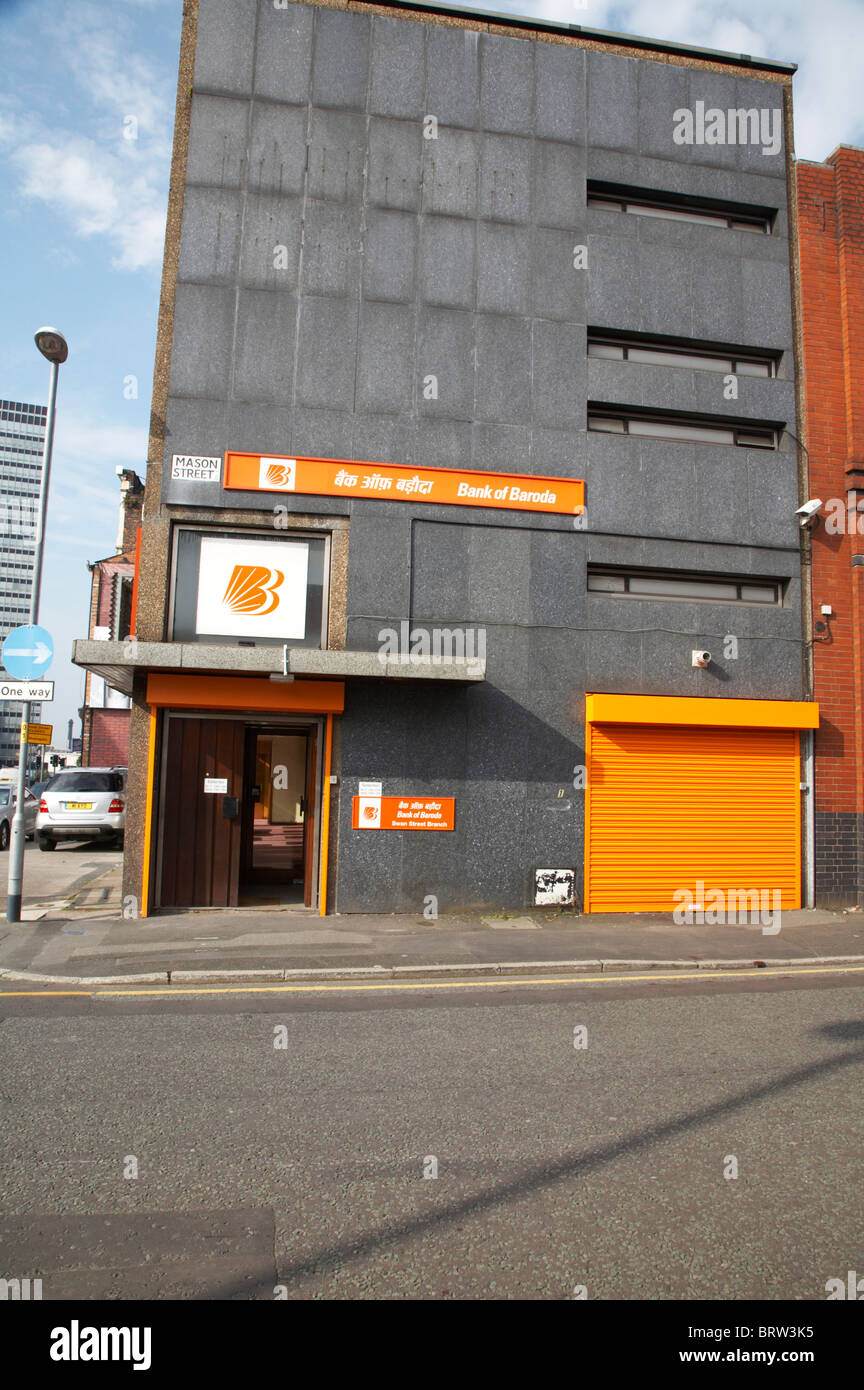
{"x": 28, "y": 652}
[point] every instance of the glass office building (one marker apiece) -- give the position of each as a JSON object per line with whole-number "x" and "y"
{"x": 22, "y": 439}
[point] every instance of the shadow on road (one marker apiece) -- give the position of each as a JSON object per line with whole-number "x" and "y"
{"x": 540, "y": 1177}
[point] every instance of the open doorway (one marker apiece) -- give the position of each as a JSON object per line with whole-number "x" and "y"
{"x": 239, "y": 812}
{"x": 278, "y": 840}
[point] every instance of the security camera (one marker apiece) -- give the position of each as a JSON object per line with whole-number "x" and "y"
{"x": 809, "y": 510}
{"x": 701, "y": 659}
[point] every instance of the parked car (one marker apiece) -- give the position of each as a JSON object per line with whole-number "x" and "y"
{"x": 7, "y": 811}
{"x": 83, "y": 803}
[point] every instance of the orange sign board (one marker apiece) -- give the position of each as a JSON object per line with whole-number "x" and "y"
{"x": 392, "y": 482}
{"x": 403, "y": 812}
{"x": 244, "y": 693}
{"x": 37, "y": 733}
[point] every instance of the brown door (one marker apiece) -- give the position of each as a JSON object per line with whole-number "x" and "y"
{"x": 200, "y": 843}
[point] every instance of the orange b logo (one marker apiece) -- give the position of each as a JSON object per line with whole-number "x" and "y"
{"x": 277, "y": 473}
{"x": 252, "y": 590}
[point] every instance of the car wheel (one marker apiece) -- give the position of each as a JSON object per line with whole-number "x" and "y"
{"x": 4, "y": 835}
{"x": 118, "y": 843}
{"x": 46, "y": 844}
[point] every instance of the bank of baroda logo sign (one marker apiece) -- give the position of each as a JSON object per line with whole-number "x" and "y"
{"x": 252, "y": 588}
{"x": 277, "y": 474}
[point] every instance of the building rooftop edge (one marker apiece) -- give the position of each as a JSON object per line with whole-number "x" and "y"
{"x": 518, "y": 21}
{"x": 827, "y": 164}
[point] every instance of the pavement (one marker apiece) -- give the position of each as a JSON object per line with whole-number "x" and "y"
{"x": 84, "y": 938}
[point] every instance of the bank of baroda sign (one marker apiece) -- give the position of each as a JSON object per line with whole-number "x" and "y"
{"x": 391, "y": 482}
{"x": 403, "y": 812}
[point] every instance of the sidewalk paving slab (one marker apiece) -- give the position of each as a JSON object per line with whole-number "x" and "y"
{"x": 221, "y": 945}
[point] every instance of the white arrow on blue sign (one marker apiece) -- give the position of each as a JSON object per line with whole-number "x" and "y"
{"x": 28, "y": 652}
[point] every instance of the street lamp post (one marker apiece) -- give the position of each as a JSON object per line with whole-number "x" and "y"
{"x": 54, "y": 347}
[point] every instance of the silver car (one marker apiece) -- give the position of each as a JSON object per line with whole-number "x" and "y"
{"x": 83, "y": 803}
{"x": 7, "y": 811}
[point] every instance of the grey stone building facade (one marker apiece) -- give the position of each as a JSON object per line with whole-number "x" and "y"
{"x": 442, "y": 240}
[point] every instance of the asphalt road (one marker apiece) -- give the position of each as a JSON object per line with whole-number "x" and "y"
{"x": 60, "y": 874}
{"x": 301, "y": 1167}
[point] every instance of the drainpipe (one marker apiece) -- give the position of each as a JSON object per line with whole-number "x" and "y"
{"x": 803, "y": 461}
{"x": 809, "y": 823}
{"x": 808, "y": 792}
{"x": 858, "y": 702}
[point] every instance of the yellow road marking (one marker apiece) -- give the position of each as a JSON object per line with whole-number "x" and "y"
{"x": 41, "y": 993}
{"x": 500, "y": 982}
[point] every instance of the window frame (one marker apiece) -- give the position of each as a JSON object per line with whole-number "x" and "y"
{"x": 686, "y": 576}
{"x": 707, "y": 357}
{"x": 733, "y": 427}
{"x": 250, "y": 533}
{"x": 85, "y": 775}
{"x": 646, "y": 203}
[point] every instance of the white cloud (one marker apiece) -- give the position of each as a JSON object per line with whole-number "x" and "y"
{"x": 98, "y": 182}
{"x": 79, "y": 440}
{"x": 84, "y": 492}
{"x": 84, "y": 497}
{"x": 69, "y": 178}
{"x": 91, "y": 188}
{"x": 117, "y": 80}
{"x": 85, "y": 544}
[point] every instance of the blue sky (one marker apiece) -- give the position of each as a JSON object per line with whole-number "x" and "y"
{"x": 81, "y": 228}
{"x": 82, "y": 211}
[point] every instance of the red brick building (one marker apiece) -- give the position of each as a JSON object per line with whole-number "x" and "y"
{"x": 105, "y": 712}
{"x": 831, "y": 211}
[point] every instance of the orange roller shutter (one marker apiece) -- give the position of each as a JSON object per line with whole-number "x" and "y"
{"x": 672, "y": 807}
